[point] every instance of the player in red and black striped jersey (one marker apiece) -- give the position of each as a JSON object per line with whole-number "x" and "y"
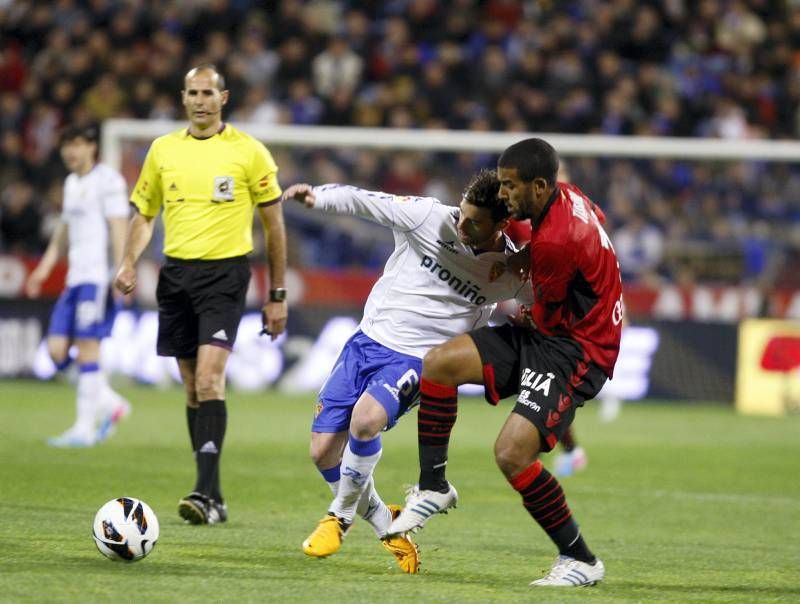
{"x": 554, "y": 361}
{"x": 573, "y": 458}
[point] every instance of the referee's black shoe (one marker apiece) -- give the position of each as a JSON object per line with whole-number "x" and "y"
{"x": 197, "y": 508}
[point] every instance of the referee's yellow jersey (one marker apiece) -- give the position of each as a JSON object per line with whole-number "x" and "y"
{"x": 208, "y": 189}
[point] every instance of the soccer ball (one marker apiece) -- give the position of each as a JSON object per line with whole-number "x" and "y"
{"x": 125, "y": 529}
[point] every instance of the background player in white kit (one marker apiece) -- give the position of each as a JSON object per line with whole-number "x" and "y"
{"x": 435, "y": 285}
{"x": 95, "y": 210}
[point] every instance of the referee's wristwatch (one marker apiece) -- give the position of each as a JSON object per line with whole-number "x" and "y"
{"x": 277, "y": 294}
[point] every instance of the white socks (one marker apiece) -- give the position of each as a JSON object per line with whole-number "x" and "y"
{"x": 354, "y": 492}
{"x": 89, "y": 386}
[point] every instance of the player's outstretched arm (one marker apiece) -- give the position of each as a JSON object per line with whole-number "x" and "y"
{"x": 55, "y": 249}
{"x": 402, "y": 213}
{"x": 140, "y": 231}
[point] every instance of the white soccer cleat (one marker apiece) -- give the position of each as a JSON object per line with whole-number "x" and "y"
{"x": 72, "y": 439}
{"x": 421, "y": 505}
{"x": 569, "y": 572}
{"x": 108, "y": 424}
{"x": 568, "y": 464}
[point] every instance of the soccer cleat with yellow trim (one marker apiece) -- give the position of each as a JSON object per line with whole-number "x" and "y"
{"x": 326, "y": 538}
{"x": 402, "y": 547}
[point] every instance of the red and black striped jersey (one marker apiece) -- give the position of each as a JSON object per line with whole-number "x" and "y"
{"x": 575, "y": 276}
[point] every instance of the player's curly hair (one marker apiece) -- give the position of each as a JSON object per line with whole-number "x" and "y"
{"x": 482, "y": 191}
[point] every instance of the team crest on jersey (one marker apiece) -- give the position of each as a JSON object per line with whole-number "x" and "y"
{"x": 223, "y": 188}
{"x": 317, "y": 409}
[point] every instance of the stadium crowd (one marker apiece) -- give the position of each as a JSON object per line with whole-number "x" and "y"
{"x": 716, "y": 68}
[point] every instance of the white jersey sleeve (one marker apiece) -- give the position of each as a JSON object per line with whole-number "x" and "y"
{"x": 115, "y": 195}
{"x": 400, "y": 213}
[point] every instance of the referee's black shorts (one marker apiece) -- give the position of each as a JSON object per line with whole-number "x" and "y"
{"x": 548, "y": 375}
{"x": 200, "y": 302}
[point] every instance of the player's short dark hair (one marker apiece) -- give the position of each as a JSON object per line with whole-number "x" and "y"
{"x": 482, "y": 192}
{"x": 532, "y": 158}
{"x": 208, "y": 67}
{"x": 89, "y": 132}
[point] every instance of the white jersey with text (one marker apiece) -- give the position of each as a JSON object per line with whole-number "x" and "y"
{"x": 433, "y": 286}
{"x": 89, "y": 201}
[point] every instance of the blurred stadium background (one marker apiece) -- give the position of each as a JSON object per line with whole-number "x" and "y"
{"x": 706, "y": 230}
{"x": 680, "y": 118}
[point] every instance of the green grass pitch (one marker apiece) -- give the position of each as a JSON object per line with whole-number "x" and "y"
{"x": 683, "y": 503}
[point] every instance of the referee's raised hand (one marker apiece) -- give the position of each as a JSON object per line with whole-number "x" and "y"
{"x": 125, "y": 281}
{"x": 301, "y": 192}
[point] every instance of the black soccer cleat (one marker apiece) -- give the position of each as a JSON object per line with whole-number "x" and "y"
{"x": 197, "y": 508}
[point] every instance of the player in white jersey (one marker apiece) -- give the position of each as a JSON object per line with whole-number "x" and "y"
{"x": 435, "y": 285}
{"x": 94, "y": 214}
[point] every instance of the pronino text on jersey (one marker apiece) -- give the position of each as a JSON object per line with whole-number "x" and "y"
{"x": 463, "y": 287}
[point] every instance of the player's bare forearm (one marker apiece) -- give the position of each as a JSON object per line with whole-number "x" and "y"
{"x": 55, "y": 249}
{"x": 140, "y": 231}
{"x": 275, "y": 238}
{"x": 275, "y": 313}
{"x": 117, "y": 228}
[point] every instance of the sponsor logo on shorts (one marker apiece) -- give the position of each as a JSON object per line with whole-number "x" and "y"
{"x": 524, "y": 399}
{"x": 537, "y": 382}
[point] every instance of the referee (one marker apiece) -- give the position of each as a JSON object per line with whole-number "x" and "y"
{"x": 207, "y": 178}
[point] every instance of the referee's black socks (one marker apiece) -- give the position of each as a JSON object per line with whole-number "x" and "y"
{"x": 191, "y": 421}
{"x": 210, "y": 424}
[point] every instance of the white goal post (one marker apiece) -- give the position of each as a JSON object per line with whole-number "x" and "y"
{"x": 115, "y": 131}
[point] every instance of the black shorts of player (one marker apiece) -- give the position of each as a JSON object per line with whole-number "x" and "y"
{"x": 548, "y": 375}
{"x": 200, "y": 302}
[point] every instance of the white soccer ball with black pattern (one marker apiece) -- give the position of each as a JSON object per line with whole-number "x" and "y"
{"x": 125, "y": 529}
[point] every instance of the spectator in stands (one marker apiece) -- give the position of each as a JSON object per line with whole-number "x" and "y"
{"x": 19, "y": 219}
{"x": 723, "y": 69}
{"x": 640, "y": 248}
{"x": 336, "y": 68}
